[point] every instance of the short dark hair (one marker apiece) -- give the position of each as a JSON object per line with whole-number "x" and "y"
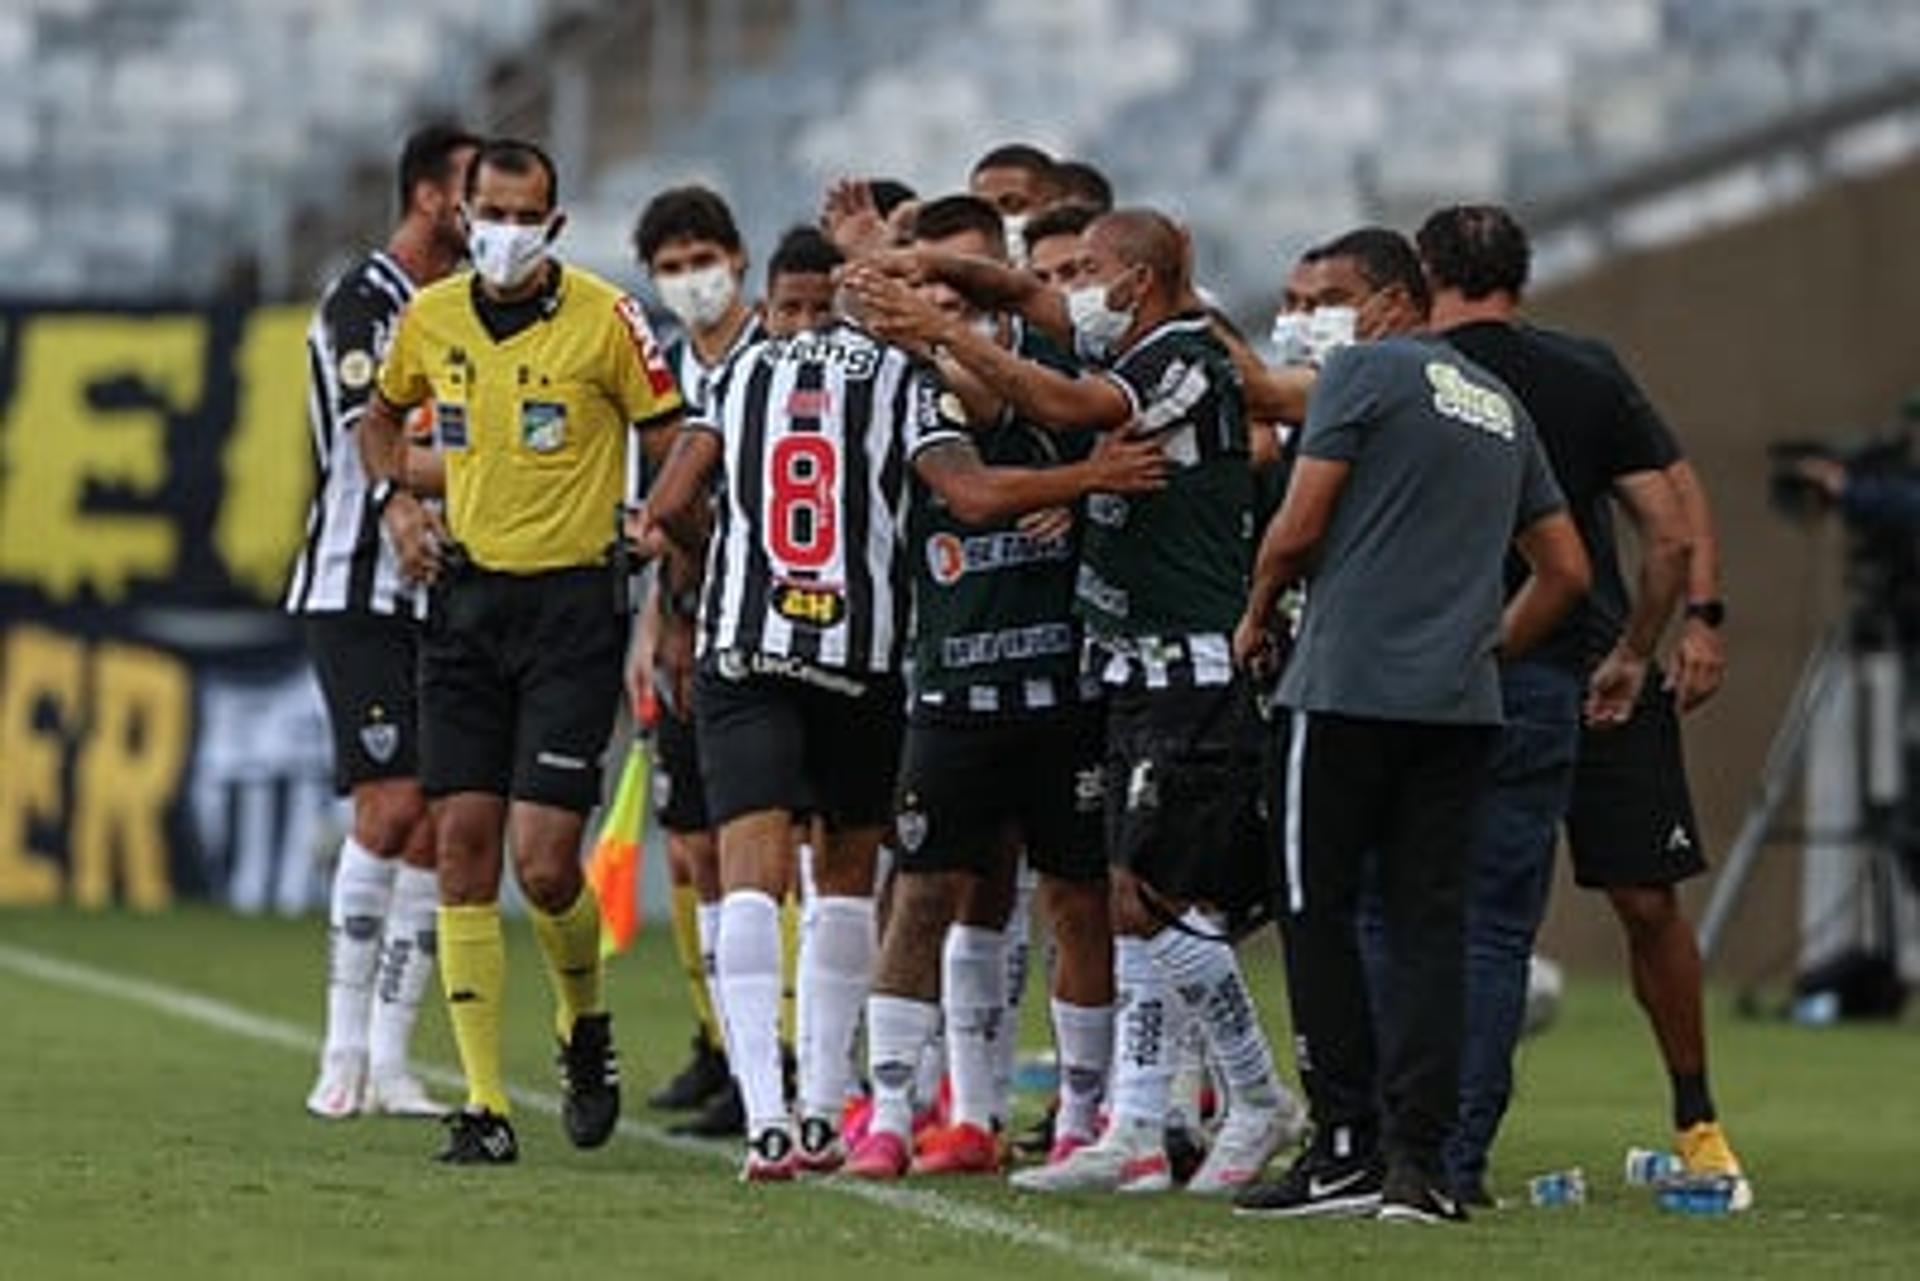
{"x": 1017, "y": 155}
{"x": 1384, "y": 257}
{"x": 684, "y": 213}
{"x": 1061, "y": 220}
{"x": 1148, "y": 238}
{"x": 953, "y": 215}
{"x": 1080, "y": 183}
{"x": 1477, "y": 249}
{"x": 427, "y": 156}
{"x": 889, "y": 194}
{"x": 515, "y": 156}
{"x": 803, "y": 251}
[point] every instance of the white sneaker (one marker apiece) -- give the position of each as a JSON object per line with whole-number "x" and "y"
{"x": 343, "y": 1079}
{"x": 1248, "y": 1139}
{"x": 399, "y": 1094}
{"x": 1117, "y": 1163}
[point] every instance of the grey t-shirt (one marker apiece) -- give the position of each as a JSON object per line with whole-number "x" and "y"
{"x": 1403, "y": 605}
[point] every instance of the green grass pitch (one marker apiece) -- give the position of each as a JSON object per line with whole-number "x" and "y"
{"x": 147, "y": 1135}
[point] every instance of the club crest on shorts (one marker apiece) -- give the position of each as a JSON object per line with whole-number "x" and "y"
{"x": 662, "y": 788}
{"x": 911, "y": 826}
{"x": 379, "y": 736}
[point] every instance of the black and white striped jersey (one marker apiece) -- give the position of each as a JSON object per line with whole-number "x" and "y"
{"x": 808, "y": 559}
{"x": 346, "y": 563}
{"x": 695, "y": 378}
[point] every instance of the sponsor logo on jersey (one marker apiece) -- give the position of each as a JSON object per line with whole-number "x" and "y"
{"x": 1456, "y": 397}
{"x": 950, "y": 558}
{"x": 809, "y": 402}
{"x": 1108, "y": 510}
{"x": 659, "y": 377}
{"x": 1099, "y": 593}
{"x": 810, "y": 606}
{"x": 976, "y": 649}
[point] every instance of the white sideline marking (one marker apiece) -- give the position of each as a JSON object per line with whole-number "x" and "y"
{"x": 957, "y": 1216}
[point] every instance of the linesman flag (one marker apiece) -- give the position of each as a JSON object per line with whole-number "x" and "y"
{"x": 614, "y": 867}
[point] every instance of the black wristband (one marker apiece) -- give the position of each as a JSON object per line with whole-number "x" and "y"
{"x": 1711, "y": 612}
{"x": 683, "y": 605}
{"x": 382, "y": 493}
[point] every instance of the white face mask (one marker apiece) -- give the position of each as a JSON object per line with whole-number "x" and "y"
{"x": 698, "y": 297}
{"x": 506, "y": 253}
{"x": 1328, "y": 330}
{"x": 1097, "y": 327}
{"x": 1016, "y": 228}
{"x": 1289, "y": 337}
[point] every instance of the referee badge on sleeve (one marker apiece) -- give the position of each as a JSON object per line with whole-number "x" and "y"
{"x": 543, "y": 425}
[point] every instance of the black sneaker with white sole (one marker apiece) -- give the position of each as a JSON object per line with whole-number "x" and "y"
{"x": 1315, "y": 1185}
{"x": 1411, "y": 1197}
{"x": 476, "y": 1136}
{"x": 590, "y": 1080}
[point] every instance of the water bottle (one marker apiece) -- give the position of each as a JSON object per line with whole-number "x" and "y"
{"x": 1646, "y": 1167}
{"x": 1562, "y": 1187}
{"x": 1709, "y": 1195}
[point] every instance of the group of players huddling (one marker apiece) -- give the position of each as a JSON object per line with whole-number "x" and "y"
{"x": 956, "y": 622}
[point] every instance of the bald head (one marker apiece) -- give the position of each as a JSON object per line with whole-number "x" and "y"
{"x": 1143, "y": 238}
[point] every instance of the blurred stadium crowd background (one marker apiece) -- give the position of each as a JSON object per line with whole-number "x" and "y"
{"x": 1723, "y": 188}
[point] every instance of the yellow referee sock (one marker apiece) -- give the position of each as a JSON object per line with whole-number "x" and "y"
{"x": 686, "y": 945}
{"x": 789, "y": 965}
{"x": 571, "y": 944}
{"x": 473, "y": 973}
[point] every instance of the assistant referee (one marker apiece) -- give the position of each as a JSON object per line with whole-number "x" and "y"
{"x": 537, "y": 371}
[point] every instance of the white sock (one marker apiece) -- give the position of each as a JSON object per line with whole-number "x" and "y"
{"x": 406, "y": 965}
{"x": 1144, "y": 1027}
{"x": 932, "y": 1069}
{"x": 362, "y": 888}
{"x": 707, "y": 926}
{"x": 1207, "y": 976}
{"x": 836, "y": 967}
{"x": 1084, "y": 1035}
{"x": 973, "y": 995}
{"x": 1019, "y": 954}
{"x": 749, "y": 956}
{"x": 898, "y": 1033}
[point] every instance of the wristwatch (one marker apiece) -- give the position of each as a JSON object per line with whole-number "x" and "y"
{"x": 1711, "y": 612}
{"x": 382, "y": 493}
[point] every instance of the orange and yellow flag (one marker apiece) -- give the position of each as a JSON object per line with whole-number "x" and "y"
{"x": 618, "y": 854}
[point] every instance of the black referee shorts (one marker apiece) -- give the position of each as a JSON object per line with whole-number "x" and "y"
{"x": 368, "y": 669}
{"x": 784, "y": 734}
{"x": 520, "y": 682}
{"x": 1631, "y": 821}
{"x": 966, "y": 780}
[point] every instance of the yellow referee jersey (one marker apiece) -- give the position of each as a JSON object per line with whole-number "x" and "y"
{"x": 533, "y": 427}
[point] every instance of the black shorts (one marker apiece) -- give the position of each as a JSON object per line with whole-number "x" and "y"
{"x": 1183, "y": 793}
{"x": 965, "y": 782}
{"x": 1631, "y": 821}
{"x": 784, "y": 734}
{"x": 520, "y": 680}
{"x": 368, "y": 665}
{"x": 679, "y": 797}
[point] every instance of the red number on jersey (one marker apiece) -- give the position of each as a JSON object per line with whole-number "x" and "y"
{"x": 801, "y": 518}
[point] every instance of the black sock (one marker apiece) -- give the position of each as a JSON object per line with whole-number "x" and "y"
{"x": 1692, "y": 1104}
